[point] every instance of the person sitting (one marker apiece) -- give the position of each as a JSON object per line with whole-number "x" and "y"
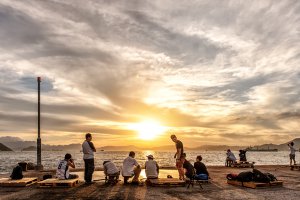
{"x": 111, "y": 171}
{"x": 242, "y": 155}
{"x": 189, "y": 171}
{"x": 131, "y": 168}
{"x": 201, "y": 170}
{"x": 151, "y": 168}
{"x": 230, "y": 158}
{"x": 62, "y": 171}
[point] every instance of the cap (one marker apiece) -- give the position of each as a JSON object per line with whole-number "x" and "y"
{"x": 150, "y": 156}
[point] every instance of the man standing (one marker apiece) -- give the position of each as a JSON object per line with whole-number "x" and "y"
{"x": 88, "y": 150}
{"x": 178, "y": 154}
{"x": 131, "y": 168}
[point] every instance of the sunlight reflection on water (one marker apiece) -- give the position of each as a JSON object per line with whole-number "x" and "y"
{"x": 164, "y": 159}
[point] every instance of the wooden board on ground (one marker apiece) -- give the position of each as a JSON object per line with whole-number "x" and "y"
{"x": 243, "y": 164}
{"x": 53, "y": 182}
{"x": 7, "y": 182}
{"x": 255, "y": 185}
{"x": 295, "y": 167}
{"x": 166, "y": 182}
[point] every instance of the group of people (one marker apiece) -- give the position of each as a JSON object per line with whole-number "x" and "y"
{"x": 131, "y": 168}
{"x": 230, "y": 158}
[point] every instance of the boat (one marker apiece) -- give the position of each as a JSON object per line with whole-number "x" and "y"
{"x": 264, "y": 150}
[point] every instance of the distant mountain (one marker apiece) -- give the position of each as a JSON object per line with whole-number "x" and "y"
{"x": 120, "y": 148}
{"x": 69, "y": 147}
{"x": 9, "y": 139}
{"x": 280, "y": 147}
{"x": 4, "y": 148}
{"x": 217, "y": 148}
{"x": 30, "y": 148}
{"x": 18, "y": 144}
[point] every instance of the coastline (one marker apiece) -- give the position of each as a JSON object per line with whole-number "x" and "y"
{"x": 218, "y": 189}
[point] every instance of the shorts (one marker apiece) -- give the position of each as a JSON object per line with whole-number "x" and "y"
{"x": 292, "y": 156}
{"x": 179, "y": 164}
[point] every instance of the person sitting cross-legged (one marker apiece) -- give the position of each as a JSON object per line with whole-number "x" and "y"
{"x": 201, "y": 170}
{"x": 131, "y": 168}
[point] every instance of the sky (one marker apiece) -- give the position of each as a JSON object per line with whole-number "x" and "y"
{"x": 211, "y": 72}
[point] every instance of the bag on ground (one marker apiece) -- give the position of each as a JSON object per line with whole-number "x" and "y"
{"x": 17, "y": 173}
{"x": 245, "y": 176}
{"x": 258, "y": 176}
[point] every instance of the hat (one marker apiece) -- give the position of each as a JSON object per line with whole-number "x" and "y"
{"x": 150, "y": 156}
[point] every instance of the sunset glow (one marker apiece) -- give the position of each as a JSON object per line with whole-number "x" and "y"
{"x": 148, "y": 130}
{"x": 219, "y": 71}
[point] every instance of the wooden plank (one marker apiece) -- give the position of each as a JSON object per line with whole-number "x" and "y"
{"x": 254, "y": 185}
{"x": 7, "y": 182}
{"x": 53, "y": 182}
{"x": 166, "y": 182}
{"x": 296, "y": 167}
{"x": 243, "y": 164}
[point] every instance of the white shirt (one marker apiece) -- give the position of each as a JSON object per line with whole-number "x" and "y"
{"x": 88, "y": 152}
{"x": 110, "y": 168}
{"x": 293, "y": 150}
{"x": 62, "y": 171}
{"x": 231, "y": 156}
{"x": 128, "y": 165}
{"x": 151, "y": 169}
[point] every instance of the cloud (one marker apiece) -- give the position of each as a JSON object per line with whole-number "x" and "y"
{"x": 201, "y": 67}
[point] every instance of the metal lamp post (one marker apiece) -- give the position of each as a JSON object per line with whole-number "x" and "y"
{"x": 39, "y": 145}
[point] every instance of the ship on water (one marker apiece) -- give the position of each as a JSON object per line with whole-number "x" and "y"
{"x": 261, "y": 149}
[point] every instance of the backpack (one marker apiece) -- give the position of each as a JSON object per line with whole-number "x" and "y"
{"x": 17, "y": 173}
{"x": 271, "y": 177}
{"x": 258, "y": 176}
{"x": 245, "y": 176}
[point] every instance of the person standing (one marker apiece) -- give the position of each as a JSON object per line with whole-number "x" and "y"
{"x": 88, "y": 150}
{"x": 292, "y": 153}
{"x": 178, "y": 155}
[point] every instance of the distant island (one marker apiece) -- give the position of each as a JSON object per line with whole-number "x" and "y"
{"x": 17, "y": 144}
{"x": 30, "y": 148}
{"x": 4, "y": 148}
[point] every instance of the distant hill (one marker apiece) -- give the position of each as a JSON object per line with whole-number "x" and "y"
{"x": 280, "y": 147}
{"x": 4, "y": 148}
{"x": 120, "y": 148}
{"x": 18, "y": 144}
{"x": 30, "y": 148}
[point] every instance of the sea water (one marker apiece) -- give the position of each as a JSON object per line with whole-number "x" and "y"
{"x": 164, "y": 159}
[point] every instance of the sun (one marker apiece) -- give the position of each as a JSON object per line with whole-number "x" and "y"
{"x": 148, "y": 129}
